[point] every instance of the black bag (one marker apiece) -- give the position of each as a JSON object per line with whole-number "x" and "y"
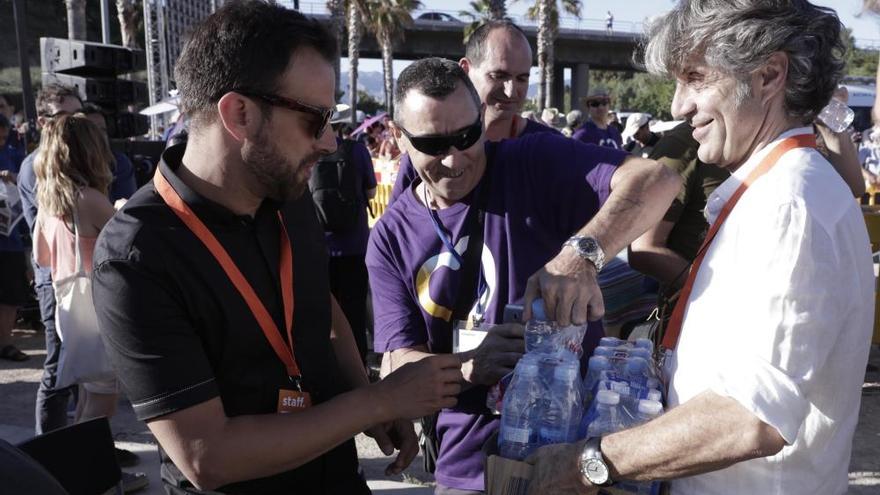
{"x": 335, "y": 187}
{"x": 476, "y": 221}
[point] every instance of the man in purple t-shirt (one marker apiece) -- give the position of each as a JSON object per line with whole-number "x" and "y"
{"x": 497, "y": 60}
{"x": 596, "y": 129}
{"x": 537, "y": 192}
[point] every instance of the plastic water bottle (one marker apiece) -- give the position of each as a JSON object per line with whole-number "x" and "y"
{"x": 611, "y": 342}
{"x": 837, "y": 115}
{"x": 518, "y": 434}
{"x": 562, "y": 412}
{"x": 538, "y": 328}
{"x": 648, "y": 410}
{"x": 595, "y": 366}
{"x": 645, "y": 344}
{"x": 607, "y": 418}
{"x": 654, "y": 395}
{"x": 604, "y": 351}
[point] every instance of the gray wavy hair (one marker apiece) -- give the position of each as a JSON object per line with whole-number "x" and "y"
{"x": 738, "y": 36}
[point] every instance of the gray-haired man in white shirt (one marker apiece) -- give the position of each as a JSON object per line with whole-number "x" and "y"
{"x": 765, "y": 380}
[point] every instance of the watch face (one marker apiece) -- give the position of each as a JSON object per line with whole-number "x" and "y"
{"x": 595, "y": 471}
{"x": 587, "y": 245}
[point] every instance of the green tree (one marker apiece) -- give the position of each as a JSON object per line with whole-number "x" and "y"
{"x": 546, "y": 12}
{"x": 387, "y": 19}
{"x": 337, "y": 27}
{"x": 367, "y": 104}
{"x": 129, "y": 16}
{"x": 859, "y": 62}
{"x": 637, "y": 91}
{"x": 482, "y": 11}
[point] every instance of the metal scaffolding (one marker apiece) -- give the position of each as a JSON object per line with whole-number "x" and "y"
{"x": 166, "y": 22}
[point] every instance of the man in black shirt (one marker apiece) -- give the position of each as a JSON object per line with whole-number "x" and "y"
{"x": 211, "y": 288}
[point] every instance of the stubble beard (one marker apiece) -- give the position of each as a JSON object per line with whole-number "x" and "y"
{"x": 274, "y": 174}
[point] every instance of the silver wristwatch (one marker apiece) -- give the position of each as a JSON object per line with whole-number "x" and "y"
{"x": 592, "y": 464}
{"x": 589, "y": 249}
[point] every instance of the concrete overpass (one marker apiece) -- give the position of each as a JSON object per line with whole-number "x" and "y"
{"x": 577, "y": 49}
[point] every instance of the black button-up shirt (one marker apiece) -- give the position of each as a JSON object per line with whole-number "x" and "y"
{"x": 179, "y": 333}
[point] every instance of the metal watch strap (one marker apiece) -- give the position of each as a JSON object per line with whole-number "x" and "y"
{"x": 592, "y": 451}
{"x": 596, "y": 256}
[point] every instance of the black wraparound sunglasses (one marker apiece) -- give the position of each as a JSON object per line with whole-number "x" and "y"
{"x": 324, "y": 114}
{"x": 438, "y": 144}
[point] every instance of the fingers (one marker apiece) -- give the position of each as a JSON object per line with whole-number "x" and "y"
{"x": 565, "y": 305}
{"x": 408, "y": 443}
{"x": 597, "y": 306}
{"x": 532, "y": 292}
{"x": 509, "y": 330}
{"x": 380, "y": 435}
{"x": 580, "y": 309}
{"x": 444, "y": 361}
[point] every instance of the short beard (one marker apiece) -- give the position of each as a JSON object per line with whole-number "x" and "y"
{"x": 276, "y": 176}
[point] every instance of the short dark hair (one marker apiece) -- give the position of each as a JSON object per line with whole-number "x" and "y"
{"x": 54, "y": 94}
{"x": 475, "y": 50}
{"x": 434, "y": 77}
{"x": 244, "y": 44}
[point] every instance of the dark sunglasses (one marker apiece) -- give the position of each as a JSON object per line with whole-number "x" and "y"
{"x": 59, "y": 113}
{"x": 438, "y": 144}
{"x": 599, "y": 103}
{"x": 323, "y": 114}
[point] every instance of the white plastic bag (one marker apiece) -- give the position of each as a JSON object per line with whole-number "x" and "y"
{"x": 82, "y": 358}
{"x": 10, "y": 208}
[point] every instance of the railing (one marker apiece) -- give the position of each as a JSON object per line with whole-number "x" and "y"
{"x": 565, "y": 22}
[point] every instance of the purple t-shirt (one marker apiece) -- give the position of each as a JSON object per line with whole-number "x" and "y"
{"x": 544, "y": 187}
{"x": 590, "y": 133}
{"x": 354, "y": 243}
{"x": 406, "y": 173}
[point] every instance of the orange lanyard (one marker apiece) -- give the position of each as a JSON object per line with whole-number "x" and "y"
{"x": 673, "y": 329}
{"x": 267, "y": 324}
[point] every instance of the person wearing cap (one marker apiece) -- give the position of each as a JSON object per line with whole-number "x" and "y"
{"x": 572, "y": 121}
{"x": 530, "y": 213}
{"x": 637, "y": 136}
{"x": 597, "y": 129}
{"x": 498, "y": 59}
{"x": 550, "y": 117}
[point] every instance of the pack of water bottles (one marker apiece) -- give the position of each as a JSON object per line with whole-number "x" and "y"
{"x": 546, "y": 401}
{"x": 622, "y": 390}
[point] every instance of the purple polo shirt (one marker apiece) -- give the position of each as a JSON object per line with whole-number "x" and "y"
{"x": 406, "y": 174}
{"x": 544, "y": 187}
{"x": 590, "y": 133}
{"x": 354, "y": 243}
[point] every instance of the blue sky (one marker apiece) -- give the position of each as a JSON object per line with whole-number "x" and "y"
{"x": 866, "y": 28}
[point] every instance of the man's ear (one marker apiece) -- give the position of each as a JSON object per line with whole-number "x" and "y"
{"x": 465, "y": 65}
{"x": 772, "y": 76}
{"x": 239, "y": 115}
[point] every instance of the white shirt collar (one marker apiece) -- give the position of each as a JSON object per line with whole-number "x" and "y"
{"x": 722, "y": 193}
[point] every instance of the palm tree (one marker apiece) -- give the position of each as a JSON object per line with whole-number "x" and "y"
{"x": 479, "y": 14}
{"x": 76, "y": 19}
{"x": 386, "y": 19}
{"x": 497, "y": 9}
{"x": 337, "y": 23}
{"x": 355, "y": 31}
{"x": 128, "y": 14}
{"x": 547, "y": 14}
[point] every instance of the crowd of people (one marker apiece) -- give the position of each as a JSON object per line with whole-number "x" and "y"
{"x": 231, "y": 290}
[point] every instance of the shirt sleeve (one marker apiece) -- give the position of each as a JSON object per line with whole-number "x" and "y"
{"x": 155, "y": 350}
{"x": 796, "y": 316}
{"x": 27, "y": 190}
{"x": 397, "y": 321}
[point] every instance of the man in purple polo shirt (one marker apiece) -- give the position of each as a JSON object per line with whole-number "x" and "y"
{"x": 537, "y": 191}
{"x": 497, "y": 60}
{"x": 596, "y": 130}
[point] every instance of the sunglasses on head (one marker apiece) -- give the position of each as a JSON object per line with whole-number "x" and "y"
{"x": 598, "y": 103}
{"x": 323, "y": 114}
{"x": 438, "y": 144}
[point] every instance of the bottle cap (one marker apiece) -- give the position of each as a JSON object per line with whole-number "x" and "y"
{"x": 650, "y": 407}
{"x": 620, "y": 387}
{"x": 603, "y": 351}
{"x": 598, "y": 363}
{"x": 645, "y": 344}
{"x": 636, "y": 364}
{"x": 566, "y": 371}
{"x": 654, "y": 395}
{"x": 608, "y": 397}
{"x": 610, "y": 341}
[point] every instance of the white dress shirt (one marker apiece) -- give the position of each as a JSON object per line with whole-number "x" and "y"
{"x": 780, "y": 319}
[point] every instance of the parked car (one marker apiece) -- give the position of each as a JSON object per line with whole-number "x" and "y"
{"x": 439, "y": 17}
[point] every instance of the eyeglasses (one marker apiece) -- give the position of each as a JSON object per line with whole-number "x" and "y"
{"x": 438, "y": 144}
{"x": 324, "y": 114}
{"x": 599, "y": 103}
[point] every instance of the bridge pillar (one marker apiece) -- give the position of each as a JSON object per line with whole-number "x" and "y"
{"x": 580, "y": 85}
{"x": 559, "y": 87}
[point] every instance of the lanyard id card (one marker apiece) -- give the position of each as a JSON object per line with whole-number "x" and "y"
{"x": 293, "y": 400}
{"x": 468, "y": 335}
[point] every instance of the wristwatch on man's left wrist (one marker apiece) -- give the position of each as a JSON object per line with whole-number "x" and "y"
{"x": 588, "y": 248}
{"x": 592, "y": 464}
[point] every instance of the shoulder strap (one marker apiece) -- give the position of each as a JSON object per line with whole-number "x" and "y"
{"x": 476, "y": 222}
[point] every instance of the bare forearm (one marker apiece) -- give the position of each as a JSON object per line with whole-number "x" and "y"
{"x": 661, "y": 263}
{"x": 345, "y": 348}
{"x": 641, "y": 194}
{"x": 254, "y": 446}
{"x": 707, "y": 433}
{"x": 844, "y": 157}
